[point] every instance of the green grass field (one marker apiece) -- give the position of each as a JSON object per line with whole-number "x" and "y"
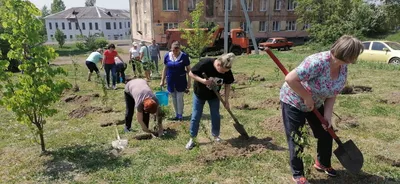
{"x": 80, "y": 150}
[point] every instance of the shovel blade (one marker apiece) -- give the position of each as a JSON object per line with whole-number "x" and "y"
{"x": 239, "y": 128}
{"x": 120, "y": 144}
{"x": 350, "y": 157}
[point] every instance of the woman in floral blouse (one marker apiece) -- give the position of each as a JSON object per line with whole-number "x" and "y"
{"x": 315, "y": 83}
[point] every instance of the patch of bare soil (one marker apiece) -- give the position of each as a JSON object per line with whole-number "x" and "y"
{"x": 393, "y": 98}
{"x": 82, "y": 111}
{"x": 167, "y": 133}
{"x": 389, "y": 161}
{"x": 270, "y": 103}
{"x": 273, "y": 123}
{"x": 355, "y": 90}
{"x": 245, "y": 106}
{"x": 238, "y": 147}
{"x": 80, "y": 99}
{"x": 346, "y": 122}
{"x": 116, "y": 122}
{"x": 243, "y": 79}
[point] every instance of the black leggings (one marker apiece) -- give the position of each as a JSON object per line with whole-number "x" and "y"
{"x": 130, "y": 107}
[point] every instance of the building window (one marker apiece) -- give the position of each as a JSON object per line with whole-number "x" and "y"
{"x": 71, "y": 37}
{"x": 249, "y": 5}
{"x": 51, "y": 36}
{"x": 291, "y": 5}
{"x": 50, "y": 26}
{"x": 83, "y": 26}
{"x": 125, "y": 24}
{"x": 170, "y": 5}
{"x": 115, "y": 25}
{"x": 90, "y": 26}
{"x": 276, "y": 26}
{"x": 243, "y": 25}
{"x": 229, "y": 5}
{"x": 120, "y": 25}
{"x": 192, "y": 4}
{"x": 76, "y": 25}
{"x": 263, "y": 5}
{"x": 129, "y": 25}
{"x": 63, "y": 26}
{"x": 56, "y": 25}
{"x": 170, "y": 26}
{"x": 108, "y": 26}
{"x": 65, "y": 36}
{"x": 263, "y": 26}
{"x": 291, "y": 25}
{"x": 69, "y": 25}
{"x": 96, "y": 26}
{"x": 278, "y": 4}
{"x": 145, "y": 28}
{"x": 306, "y": 26}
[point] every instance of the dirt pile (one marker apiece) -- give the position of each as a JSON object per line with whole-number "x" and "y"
{"x": 116, "y": 122}
{"x": 389, "y": 161}
{"x": 82, "y": 111}
{"x": 243, "y": 79}
{"x": 347, "y": 122}
{"x": 270, "y": 103}
{"x": 273, "y": 123}
{"x": 393, "y": 98}
{"x": 245, "y": 106}
{"x": 80, "y": 99}
{"x": 355, "y": 90}
{"x": 238, "y": 147}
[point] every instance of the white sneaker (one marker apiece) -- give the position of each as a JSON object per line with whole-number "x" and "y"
{"x": 218, "y": 139}
{"x": 114, "y": 87}
{"x": 190, "y": 144}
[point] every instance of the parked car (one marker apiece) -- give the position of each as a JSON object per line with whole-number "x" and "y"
{"x": 276, "y": 43}
{"x": 381, "y": 51}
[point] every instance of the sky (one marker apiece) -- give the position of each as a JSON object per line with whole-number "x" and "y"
{"x": 112, "y": 4}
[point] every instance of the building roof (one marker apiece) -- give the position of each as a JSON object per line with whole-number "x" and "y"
{"x": 91, "y": 12}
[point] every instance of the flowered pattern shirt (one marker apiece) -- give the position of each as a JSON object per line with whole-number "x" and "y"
{"x": 314, "y": 74}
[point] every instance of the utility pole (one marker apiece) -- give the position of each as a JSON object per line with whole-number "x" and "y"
{"x": 248, "y": 24}
{"x": 226, "y": 27}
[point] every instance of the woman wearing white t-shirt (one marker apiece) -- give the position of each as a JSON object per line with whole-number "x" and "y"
{"x": 134, "y": 56}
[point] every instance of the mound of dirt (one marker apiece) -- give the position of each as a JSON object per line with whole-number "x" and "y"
{"x": 116, "y": 122}
{"x": 393, "y": 98}
{"x": 245, "y": 106}
{"x": 389, "y": 161}
{"x": 273, "y": 123}
{"x": 238, "y": 147}
{"x": 80, "y": 99}
{"x": 355, "y": 89}
{"x": 270, "y": 103}
{"x": 347, "y": 122}
{"x": 243, "y": 79}
{"x": 82, "y": 111}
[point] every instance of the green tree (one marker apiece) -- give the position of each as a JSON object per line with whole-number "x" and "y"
{"x": 60, "y": 37}
{"x": 90, "y": 3}
{"x": 45, "y": 11}
{"x": 29, "y": 95}
{"x": 198, "y": 38}
{"x": 57, "y": 6}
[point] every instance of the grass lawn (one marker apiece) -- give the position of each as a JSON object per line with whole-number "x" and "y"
{"x": 81, "y": 149}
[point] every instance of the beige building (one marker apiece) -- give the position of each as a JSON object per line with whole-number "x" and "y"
{"x": 269, "y": 18}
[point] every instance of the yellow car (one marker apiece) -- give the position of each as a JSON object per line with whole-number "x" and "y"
{"x": 381, "y": 51}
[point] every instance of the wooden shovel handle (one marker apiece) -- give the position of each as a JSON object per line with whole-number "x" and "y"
{"x": 321, "y": 119}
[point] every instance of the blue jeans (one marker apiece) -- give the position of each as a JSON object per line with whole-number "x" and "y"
{"x": 197, "y": 112}
{"x": 112, "y": 68}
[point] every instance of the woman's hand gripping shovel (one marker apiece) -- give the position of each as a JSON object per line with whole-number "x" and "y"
{"x": 239, "y": 127}
{"x": 347, "y": 153}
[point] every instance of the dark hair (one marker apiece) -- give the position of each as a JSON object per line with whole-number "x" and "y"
{"x": 111, "y": 46}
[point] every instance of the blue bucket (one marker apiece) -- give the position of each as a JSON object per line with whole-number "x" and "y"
{"x": 162, "y": 97}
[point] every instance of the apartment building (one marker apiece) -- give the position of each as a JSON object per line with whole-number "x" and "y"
{"x": 269, "y": 18}
{"x": 114, "y": 24}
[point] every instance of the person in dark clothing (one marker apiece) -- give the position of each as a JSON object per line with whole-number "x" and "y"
{"x": 120, "y": 70}
{"x": 219, "y": 73}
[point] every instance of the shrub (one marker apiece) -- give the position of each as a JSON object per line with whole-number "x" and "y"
{"x": 100, "y": 42}
{"x": 80, "y": 46}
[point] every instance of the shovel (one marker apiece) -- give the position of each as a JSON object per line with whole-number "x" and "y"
{"x": 119, "y": 144}
{"x": 347, "y": 153}
{"x": 239, "y": 127}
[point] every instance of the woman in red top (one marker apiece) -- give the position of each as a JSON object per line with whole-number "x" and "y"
{"x": 109, "y": 65}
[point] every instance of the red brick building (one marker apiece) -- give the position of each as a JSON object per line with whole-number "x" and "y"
{"x": 269, "y": 18}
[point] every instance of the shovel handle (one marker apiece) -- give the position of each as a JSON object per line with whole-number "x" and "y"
{"x": 321, "y": 119}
